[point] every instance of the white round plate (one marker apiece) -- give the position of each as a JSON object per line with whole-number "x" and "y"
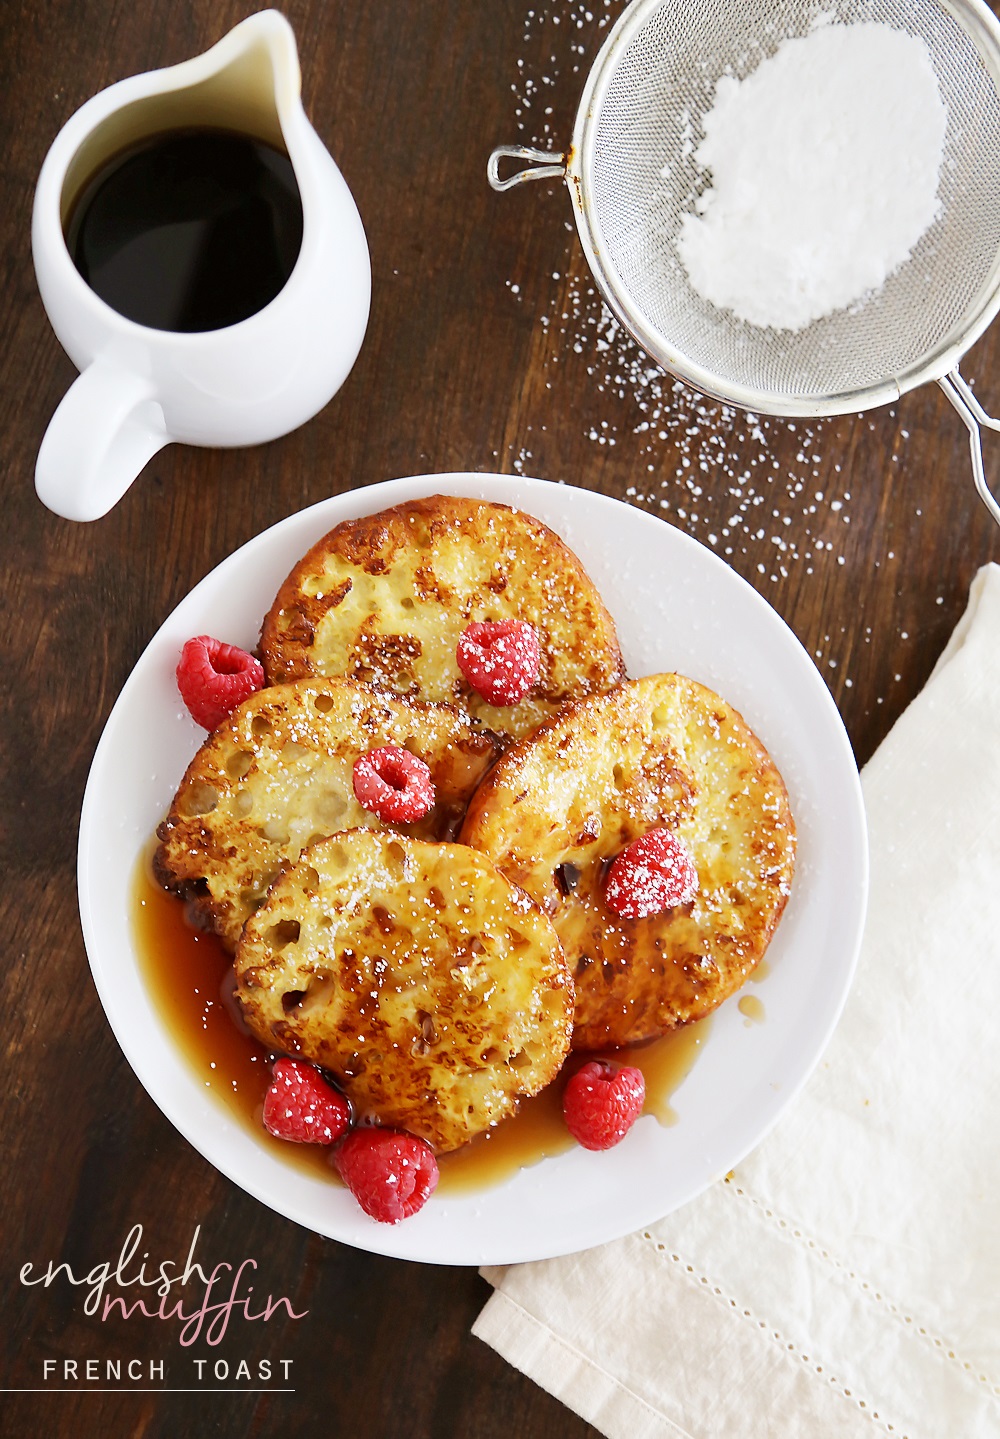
{"x": 677, "y": 607}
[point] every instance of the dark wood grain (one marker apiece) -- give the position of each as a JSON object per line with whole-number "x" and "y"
{"x": 486, "y": 351}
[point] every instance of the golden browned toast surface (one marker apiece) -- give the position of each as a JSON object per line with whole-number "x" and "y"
{"x": 431, "y": 987}
{"x": 556, "y": 810}
{"x": 385, "y": 598}
{"x": 277, "y": 775}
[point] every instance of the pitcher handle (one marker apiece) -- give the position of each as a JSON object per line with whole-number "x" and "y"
{"x": 961, "y": 396}
{"x": 107, "y": 427}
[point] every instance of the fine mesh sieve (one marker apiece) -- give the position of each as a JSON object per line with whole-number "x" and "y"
{"x": 633, "y": 175}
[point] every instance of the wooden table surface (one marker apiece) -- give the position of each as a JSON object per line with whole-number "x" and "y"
{"x": 487, "y": 350}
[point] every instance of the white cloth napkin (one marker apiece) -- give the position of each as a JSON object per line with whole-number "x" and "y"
{"x": 845, "y": 1279}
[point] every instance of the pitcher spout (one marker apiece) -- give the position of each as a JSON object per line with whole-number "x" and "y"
{"x": 249, "y": 81}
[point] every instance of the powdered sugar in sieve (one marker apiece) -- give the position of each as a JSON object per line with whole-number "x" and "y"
{"x": 822, "y": 168}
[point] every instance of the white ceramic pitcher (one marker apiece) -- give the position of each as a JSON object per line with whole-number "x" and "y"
{"x": 140, "y": 388}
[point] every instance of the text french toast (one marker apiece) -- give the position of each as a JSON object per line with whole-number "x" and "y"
{"x": 384, "y": 600}
{"x": 431, "y": 988}
{"x": 558, "y": 808}
{"x": 277, "y": 775}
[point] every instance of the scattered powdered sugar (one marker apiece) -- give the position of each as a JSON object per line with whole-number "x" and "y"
{"x": 824, "y": 169}
{"x": 530, "y": 91}
{"x": 782, "y": 514}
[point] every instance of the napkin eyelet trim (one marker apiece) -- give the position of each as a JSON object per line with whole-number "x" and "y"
{"x": 870, "y": 1291}
{"x": 778, "y": 1338}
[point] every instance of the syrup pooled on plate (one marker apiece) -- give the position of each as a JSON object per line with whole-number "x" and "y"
{"x": 189, "y": 230}
{"x": 189, "y": 976}
{"x": 752, "y": 1009}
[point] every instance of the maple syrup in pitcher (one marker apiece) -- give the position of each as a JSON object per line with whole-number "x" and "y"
{"x": 189, "y": 230}
{"x": 189, "y": 976}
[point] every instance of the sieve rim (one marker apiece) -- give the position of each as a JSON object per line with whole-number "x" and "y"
{"x": 983, "y": 28}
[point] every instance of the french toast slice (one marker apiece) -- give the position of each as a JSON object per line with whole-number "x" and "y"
{"x": 385, "y": 598}
{"x": 660, "y": 752}
{"x": 433, "y": 989}
{"x": 277, "y": 775}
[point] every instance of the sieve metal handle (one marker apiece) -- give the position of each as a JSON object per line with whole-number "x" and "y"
{"x": 972, "y": 412}
{"x": 547, "y": 164}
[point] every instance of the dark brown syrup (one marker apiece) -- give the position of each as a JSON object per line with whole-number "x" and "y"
{"x": 190, "y": 978}
{"x": 190, "y": 230}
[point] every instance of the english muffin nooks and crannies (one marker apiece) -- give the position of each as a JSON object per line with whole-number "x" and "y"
{"x": 277, "y": 775}
{"x": 385, "y": 599}
{"x": 432, "y": 988}
{"x": 662, "y": 752}
{"x": 621, "y": 868}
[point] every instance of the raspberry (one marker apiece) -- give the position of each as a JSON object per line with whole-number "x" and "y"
{"x": 500, "y": 661}
{"x": 393, "y": 784}
{"x": 601, "y": 1103}
{"x": 214, "y": 678}
{"x": 650, "y": 875}
{"x": 390, "y": 1174}
{"x": 302, "y": 1107}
